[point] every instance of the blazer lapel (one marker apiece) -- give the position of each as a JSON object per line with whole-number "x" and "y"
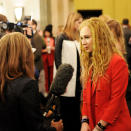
{"x": 94, "y": 86}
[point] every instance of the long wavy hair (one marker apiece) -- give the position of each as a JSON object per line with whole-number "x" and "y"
{"x": 69, "y": 28}
{"x": 117, "y": 31}
{"x": 16, "y": 58}
{"x": 103, "y": 47}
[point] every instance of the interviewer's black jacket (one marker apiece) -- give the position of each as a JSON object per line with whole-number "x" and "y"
{"x": 21, "y": 109}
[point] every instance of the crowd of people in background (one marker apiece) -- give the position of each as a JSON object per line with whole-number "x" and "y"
{"x": 98, "y": 96}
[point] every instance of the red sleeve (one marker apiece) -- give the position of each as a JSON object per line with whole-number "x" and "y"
{"x": 119, "y": 76}
{"x": 84, "y": 107}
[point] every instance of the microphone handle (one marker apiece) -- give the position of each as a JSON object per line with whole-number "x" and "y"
{"x": 57, "y": 109}
{"x": 50, "y": 102}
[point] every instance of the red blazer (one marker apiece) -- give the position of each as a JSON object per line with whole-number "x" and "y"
{"x": 105, "y": 100}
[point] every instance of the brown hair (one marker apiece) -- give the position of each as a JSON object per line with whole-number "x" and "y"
{"x": 69, "y": 28}
{"x": 34, "y": 22}
{"x": 117, "y": 31}
{"x": 105, "y": 18}
{"x": 16, "y": 58}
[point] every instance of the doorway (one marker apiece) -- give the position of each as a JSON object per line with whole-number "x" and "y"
{"x": 90, "y": 13}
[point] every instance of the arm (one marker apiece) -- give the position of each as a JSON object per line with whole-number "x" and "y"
{"x": 58, "y": 50}
{"x": 85, "y": 125}
{"x": 118, "y": 90}
{"x": 30, "y": 108}
{"x": 53, "y": 47}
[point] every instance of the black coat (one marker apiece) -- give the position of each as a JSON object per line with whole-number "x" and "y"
{"x": 21, "y": 109}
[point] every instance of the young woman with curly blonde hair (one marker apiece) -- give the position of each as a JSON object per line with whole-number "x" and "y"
{"x": 104, "y": 77}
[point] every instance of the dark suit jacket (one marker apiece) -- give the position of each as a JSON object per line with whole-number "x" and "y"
{"x": 38, "y": 42}
{"x": 127, "y": 35}
{"x": 21, "y": 109}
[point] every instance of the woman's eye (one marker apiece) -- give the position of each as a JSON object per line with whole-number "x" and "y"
{"x": 81, "y": 38}
{"x": 86, "y": 37}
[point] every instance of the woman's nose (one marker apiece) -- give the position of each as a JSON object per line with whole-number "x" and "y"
{"x": 84, "y": 42}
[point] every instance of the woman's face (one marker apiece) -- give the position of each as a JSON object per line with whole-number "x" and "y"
{"x": 77, "y": 23}
{"x": 86, "y": 39}
{"x": 47, "y": 34}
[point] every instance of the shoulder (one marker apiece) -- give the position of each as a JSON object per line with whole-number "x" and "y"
{"x": 23, "y": 80}
{"x": 20, "y": 84}
{"x": 118, "y": 63}
{"x": 116, "y": 58}
{"x": 62, "y": 36}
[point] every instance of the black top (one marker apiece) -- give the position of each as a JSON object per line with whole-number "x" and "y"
{"x": 21, "y": 109}
{"x": 58, "y": 49}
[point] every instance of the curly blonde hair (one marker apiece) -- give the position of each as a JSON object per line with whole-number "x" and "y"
{"x": 103, "y": 48}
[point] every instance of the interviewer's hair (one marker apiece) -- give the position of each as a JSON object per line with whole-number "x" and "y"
{"x": 69, "y": 28}
{"x": 103, "y": 48}
{"x": 16, "y": 58}
{"x": 117, "y": 31}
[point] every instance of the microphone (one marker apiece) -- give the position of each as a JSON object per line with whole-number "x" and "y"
{"x": 61, "y": 80}
{"x": 58, "y": 87}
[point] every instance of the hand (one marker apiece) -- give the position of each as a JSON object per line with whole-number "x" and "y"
{"x": 58, "y": 125}
{"x": 27, "y": 31}
{"x": 97, "y": 129}
{"x": 85, "y": 127}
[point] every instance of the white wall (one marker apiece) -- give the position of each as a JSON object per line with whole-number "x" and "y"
{"x": 53, "y": 12}
{"x": 31, "y": 8}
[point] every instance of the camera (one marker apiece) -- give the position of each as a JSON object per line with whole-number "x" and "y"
{"x": 18, "y": 27}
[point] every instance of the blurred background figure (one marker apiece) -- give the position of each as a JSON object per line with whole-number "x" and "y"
{"x": 127, "y": 36}
{"x": 118, "y": 35}
{"x": 37, "y": 42}
{"x": 105, "y": 18}
{"x": 67, "y": 51}
{"x": 59, "y": 30}
{"x": 3, "y": 31}
{"x": 48, "y": 56}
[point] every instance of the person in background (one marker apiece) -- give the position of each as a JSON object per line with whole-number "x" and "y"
{"x": 19, "y": 97}
{"x": 127, "y": 36}
{"x": 105, "y": 18}
{"x": 104, "y": 78}
{"x": 38, "y": 44}
{"x": 48, "y": 57}
{"x": 3, "y": 19}
{"x": 67, "y": 42}
{"x": 59, "y": 30}
{"x": 117, "y": 31}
